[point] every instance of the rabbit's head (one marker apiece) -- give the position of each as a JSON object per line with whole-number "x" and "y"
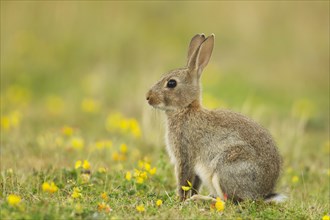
{"x": 180, "y": 88}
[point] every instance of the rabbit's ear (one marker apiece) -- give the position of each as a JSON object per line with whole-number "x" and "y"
{"x": 202, "y": 56}
{"x": 195, "y": 42}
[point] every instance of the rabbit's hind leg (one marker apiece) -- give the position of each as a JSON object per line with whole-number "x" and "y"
{"x": 216, "y": 186}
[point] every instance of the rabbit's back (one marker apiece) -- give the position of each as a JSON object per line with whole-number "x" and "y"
{"x": 234, "y": 137}
{"x": 211, "y": 132}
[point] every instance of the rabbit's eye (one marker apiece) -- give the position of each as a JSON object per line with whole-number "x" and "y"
{"x": 171, "y": 83}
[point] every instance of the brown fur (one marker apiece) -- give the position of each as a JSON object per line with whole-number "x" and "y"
{"x": 227, "y": 151}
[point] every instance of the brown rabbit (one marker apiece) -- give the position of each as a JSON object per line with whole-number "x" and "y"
{"x": 231, "y": 154}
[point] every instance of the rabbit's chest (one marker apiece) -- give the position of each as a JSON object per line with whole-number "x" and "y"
{"x": 179, "y": 144}
{"x": 170, "y": 150}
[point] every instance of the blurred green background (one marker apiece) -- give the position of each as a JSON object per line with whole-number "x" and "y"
{"x": 73, "y": 63}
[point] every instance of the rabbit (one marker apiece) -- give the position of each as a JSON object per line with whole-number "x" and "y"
{"x": 232, "y": 155}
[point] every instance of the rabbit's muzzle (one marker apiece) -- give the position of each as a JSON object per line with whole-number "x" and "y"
{"x": 152, "y": 99}
{"x": 156, "y": 100}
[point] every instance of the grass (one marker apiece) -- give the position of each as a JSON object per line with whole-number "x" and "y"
{"x": 73, "y": 80}
{"x": 123, "y": 196}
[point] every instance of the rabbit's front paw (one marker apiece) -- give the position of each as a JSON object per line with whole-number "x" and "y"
{"x": 183, "y": 198}
{"x": 183, "y": 195}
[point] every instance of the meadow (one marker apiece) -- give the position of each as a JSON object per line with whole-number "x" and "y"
{"x": 79, "y": 141}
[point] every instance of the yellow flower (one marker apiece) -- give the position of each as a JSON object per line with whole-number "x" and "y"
{"x": 113, "y": 121}
{"x": 118, "y": 123}
{"x": 12, "y": 120}
{"x": 78, "y": 164}
{"x": 153, "y": 171}
{"x": 103, "y": 207}
{"x": 53, "y": 187}
{"x": 90, "y": 105}
{"x": 139, "y": 180}
{"x": 140, "y": 176}
{"x": 68, "y": 131}
{"x": 147, "y": 166}
{"x": 13, "y": 200}
{"x": 140, "y": 208}
{"x": 159, "y": 202}
{"x": 128, "y": 176}
{"x": 76, "y": 193}
{"x": 187, "y": 188}
{"x": 326, "y": 217}
{"x": 5, "y": 122}
{"x": 77, "y": 143}
{"x": 100, "y": 206}
{"x": 219, "y": 205}
{"x": 104, "y": 196}
{"x": 123, "y": 125}
{"x": 86, "y": 165}
{"x": 115, "y": 156}
{"x": 135, "y": 128}
{"x": 295, "y": 179}
{"x": 118, "y": 156}
{"x": 49, "y": 187}
{"x": 45, "y": 186}
{"x": 123, "y": 148}
{"x": 144, "y": 175}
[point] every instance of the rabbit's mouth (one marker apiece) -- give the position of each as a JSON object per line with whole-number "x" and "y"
{"x": 156, "y": 105}
{"x": 152, "y": 101}
{"x": 163, "y": 107}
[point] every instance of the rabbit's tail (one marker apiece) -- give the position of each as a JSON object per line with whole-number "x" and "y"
{"x": 275, "y": 198}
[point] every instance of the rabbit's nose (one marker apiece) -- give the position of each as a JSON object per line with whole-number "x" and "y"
{"x": 148, "y": 96}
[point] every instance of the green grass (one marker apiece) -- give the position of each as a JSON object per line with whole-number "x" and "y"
{"x": 77, "y": 64}
{"x": 124, "y": 196}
